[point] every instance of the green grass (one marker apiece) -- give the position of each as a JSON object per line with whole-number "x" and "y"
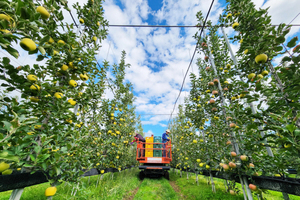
{"x": 156, "y": 189}
{"x": 107, "y": 189}
{"x": 190, "y": 190}
{"x": 125, "y": 184}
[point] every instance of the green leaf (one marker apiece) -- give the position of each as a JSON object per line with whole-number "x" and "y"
{"x": 278, "y": 48}
{"x": 3, "y": 4}
{"x": 292, "y": 42}
{"x": 12, "y": 52}
{"x": 286, "y": 58}
{"x": 6, "y": 61}
{"x": 296, "y": 59}
{"x": 44, "y": 165}
{"x": 58, "y": 171}
{"x": 10, "y": 89}
{"x": 44, "y": 157}
{"x": 291, "y": 127}
{"x": 42, "y": 50}
{"x": 27, "y": 165}
{"x": 10, "y": 157}
{"x": 7, "y": 125}
{"x": 24, "y": 13}
{"x": 37, "y": 149}
{"x": 297, "y": 132}
{"x": 40, "y": 58}
{"x": 32, "y": 157}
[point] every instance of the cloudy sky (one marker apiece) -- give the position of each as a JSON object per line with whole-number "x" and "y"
{"x": 159, "y": 57}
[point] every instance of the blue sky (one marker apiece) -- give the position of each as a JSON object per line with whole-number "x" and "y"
{"x": 159, "y": 57}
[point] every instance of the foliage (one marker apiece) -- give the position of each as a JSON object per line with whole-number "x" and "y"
{"x": 62, "y": 124}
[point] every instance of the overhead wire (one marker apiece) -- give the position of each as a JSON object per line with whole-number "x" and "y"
{"x": 173, "y": 26}
{"x": 191, "y": 60}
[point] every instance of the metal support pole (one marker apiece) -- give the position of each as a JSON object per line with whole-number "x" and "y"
{"x": 269, "y": 150}
{"x": 247, "y": 188}
{"x": 235, "y": 145}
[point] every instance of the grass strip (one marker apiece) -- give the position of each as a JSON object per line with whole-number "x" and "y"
{"x": 108, "y": 189}
{"x": 190, "y": 190}
{"x": 156, "y": 189}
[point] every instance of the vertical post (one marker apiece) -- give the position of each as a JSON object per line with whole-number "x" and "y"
{"x": 212, "y": 182}
{"x": 236, "y": 147}
{"x": 242, "y": 184}
{"x": 16, "y": 194}
{"x": 269, "y": 150}
{"x": 187, "y": 174}
{"x": 247, "y": 188}
{"x": 270, "y": 153}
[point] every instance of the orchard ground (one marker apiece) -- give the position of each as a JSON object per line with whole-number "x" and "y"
{"x": 126, "y": 185}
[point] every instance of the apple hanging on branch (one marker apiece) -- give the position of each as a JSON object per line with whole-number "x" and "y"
{"x": 261, "y": 58}
{"x": 232, "y": 125}
{"x": 232, "y": 165}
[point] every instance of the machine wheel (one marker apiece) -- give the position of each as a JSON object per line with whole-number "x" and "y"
{"x": 166, "y": 175}
{"x": 141, "y": 175}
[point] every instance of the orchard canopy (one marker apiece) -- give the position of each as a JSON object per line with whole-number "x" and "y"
{"x": 241, "y": 114}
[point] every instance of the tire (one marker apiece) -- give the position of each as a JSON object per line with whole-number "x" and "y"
{"x": 166, "y": 175}
{"x": 141, "y": 175}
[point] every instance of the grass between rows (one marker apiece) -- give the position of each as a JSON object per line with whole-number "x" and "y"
{"x": 156, "y": 189}
{"x": 108, "y": 189}
{"x": 202, "y": 191}
{"x": 124, "y": 186}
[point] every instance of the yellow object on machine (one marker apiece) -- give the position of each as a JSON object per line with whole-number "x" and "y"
{"x": 149, "y": 152}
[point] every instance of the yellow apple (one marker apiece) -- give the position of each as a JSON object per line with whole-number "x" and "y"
{"x": 229, "y": 15}
{"x": 34, "y": 99}
{"x": 264, "y": 73}
{"x": 51, "y": 40}
{"x": 84, "y": 77}
{"x": 32, "y": 78}
{"x": 50, "y": 191}
{"x": 235, "y": 24}
{"x": 261, "y": 58}
{"x": 72, "y": 102}
{"x": 4, "y": 17}
{"x": 7, "y": 172}
{"x": 44, "y": 13}
{"x": 252, "y": 75}
{"x": 260, "y": 76}
{"x": 55, "y": 52}
{"x": 3, "y": 166}
{"x": 27, "y": 44}
{"x": 64, "y": 67}
{"x": 72, "y": 83}
{"x": 81, "y": 21}
{"x": 58, "y": 95}
{"x": 35, "y": 87}
{"x": 61, "y": 42}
